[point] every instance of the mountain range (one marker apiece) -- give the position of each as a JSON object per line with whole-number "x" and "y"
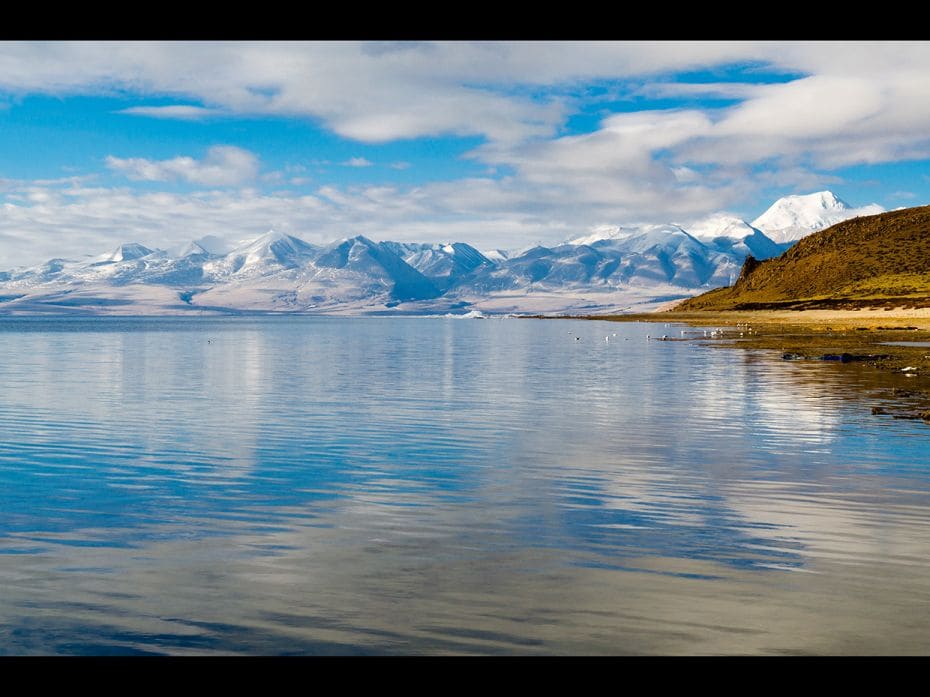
{"x": 613, "y": 269}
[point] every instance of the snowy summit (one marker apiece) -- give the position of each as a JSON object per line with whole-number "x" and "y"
{"x": 793, "y": 217}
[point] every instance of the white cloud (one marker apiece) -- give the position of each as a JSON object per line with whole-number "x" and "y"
{"x": 357, "y": 162}
{"x": 381, "y": 92}
{"x": 184, "y": 112}
{"x": 842, "y": 104}
{"x": 369, "y": 92}
{"x": 224, "y": 165}
{"x": 720, "y": 90}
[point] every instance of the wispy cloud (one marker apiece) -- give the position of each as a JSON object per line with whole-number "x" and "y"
{"x": 184, "y": 112}
{"x": 720, "y": 90}
{"x": 357, "y": 162}
{"x": 224, "y": 165}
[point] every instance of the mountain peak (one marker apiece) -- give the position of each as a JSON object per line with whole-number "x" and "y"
{"x": 192, "y": 248}
{"x": 721, "y": 225}
{"x": 213, "y": 245}
{"x": 125, "y": 252}
{"x": 792, "y": 217}
{"x": 828, "y": 199}
{"x": 268, "y": 238}
{"x": 357, "y": 239}
{"x": 271, "y": 250}
{"x": 277, "y": 241}
{"x": 601, "y": 232}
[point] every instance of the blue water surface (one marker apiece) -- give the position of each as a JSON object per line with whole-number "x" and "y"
{"x": 317, "y": 485}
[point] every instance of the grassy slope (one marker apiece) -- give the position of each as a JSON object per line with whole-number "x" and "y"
{"x": 876, "y": 261}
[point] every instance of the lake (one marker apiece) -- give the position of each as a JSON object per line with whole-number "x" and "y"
{"x": 314, "y": 485}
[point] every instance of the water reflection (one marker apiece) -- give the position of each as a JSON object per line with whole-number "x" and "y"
{"x": 316, "y": 485}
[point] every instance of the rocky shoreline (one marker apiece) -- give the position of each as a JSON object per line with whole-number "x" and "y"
{"x": 896, "y": 348}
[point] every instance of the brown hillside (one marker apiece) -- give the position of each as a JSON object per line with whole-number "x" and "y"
{"x": 875, "y": 261}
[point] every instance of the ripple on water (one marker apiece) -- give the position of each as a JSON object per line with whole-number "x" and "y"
{"x": 326, "y": 485}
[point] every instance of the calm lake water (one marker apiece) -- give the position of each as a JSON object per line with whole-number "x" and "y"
{"x": 303, "y": 485}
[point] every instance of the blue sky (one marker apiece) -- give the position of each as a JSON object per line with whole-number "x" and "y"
{"x": 501, "y": 145}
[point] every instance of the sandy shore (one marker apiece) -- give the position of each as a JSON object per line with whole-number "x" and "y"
{"x": 871, "y": 318}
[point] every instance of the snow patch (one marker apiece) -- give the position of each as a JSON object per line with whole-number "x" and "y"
{"x": 472, "y": 314}
{"x": 600, "y": 232}
{"x": 496, "y": 255}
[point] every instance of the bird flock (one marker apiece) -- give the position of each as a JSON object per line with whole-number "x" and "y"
{"x": 708, "y": 333}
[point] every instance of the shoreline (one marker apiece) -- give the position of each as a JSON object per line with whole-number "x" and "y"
{"x": 859, "y": 337}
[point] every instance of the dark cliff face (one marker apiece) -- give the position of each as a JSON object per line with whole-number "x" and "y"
{"x": 750, "y": 265}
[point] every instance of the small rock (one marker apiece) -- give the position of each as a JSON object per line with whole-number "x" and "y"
{"x": 841, "y": 357}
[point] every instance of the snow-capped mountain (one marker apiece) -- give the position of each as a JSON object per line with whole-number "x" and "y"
{"x": 601, "y": 232}
{"x": 368, "y": 259}
{"x": 125, "y": 252}
{"x": 444, "y": 264}
{"x": 608, "y": 269}
{"x": 726, "y": 232}
{"x": 652, "y": 255}
{"x": 793, "y": 217}
{"x": 191, "y": 248}
{"x": 269, "y": 253}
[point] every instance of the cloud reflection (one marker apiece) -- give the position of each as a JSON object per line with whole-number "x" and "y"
{"x": 324, "y": 485}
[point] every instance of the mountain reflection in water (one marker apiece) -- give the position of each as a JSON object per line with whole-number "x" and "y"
{"x": 399, "y": 485}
